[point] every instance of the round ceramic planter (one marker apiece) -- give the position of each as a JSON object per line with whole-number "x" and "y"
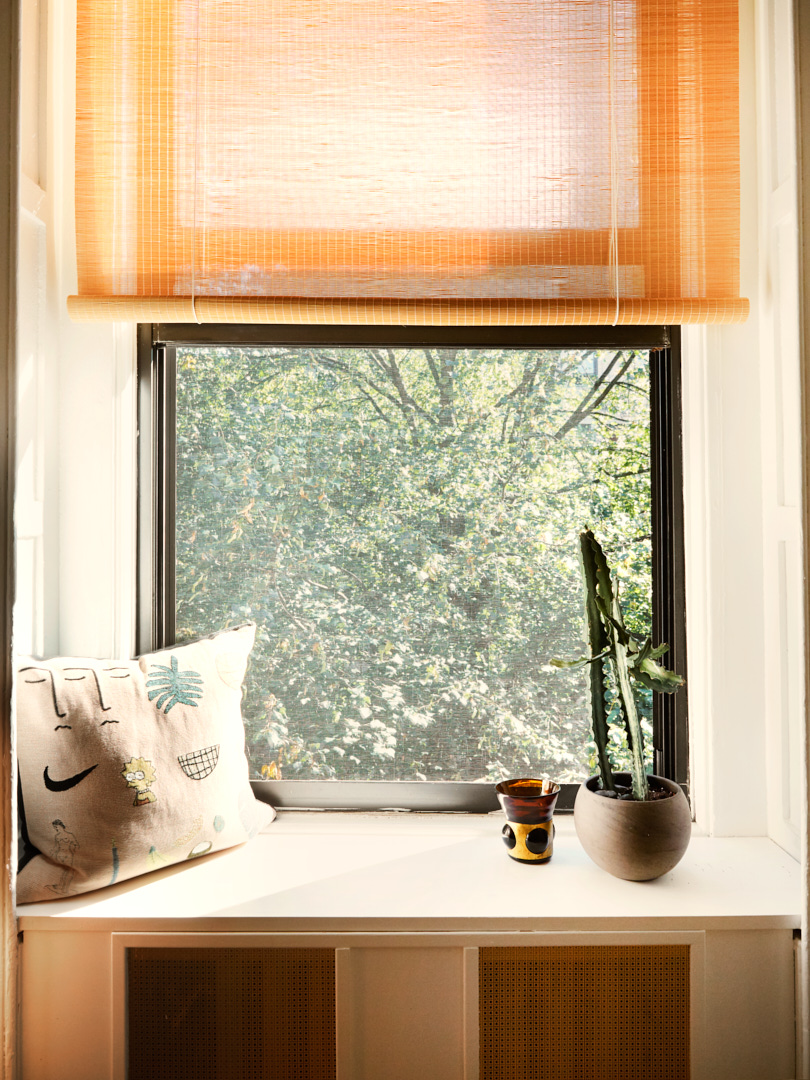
{"x": 633, "y": 840}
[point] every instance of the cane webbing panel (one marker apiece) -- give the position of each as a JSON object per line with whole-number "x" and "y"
{"x": 435, "y": 162}
{"x": 230, "y": 1014}
{"x": 584, "y": 1012}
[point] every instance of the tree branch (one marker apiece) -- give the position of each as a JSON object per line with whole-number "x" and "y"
{"x": 587, "y": 405}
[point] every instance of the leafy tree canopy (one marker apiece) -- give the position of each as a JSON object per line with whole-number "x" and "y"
{"x": 402, "y": 525}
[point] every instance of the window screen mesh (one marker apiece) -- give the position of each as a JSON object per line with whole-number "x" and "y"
{"x": 402, "y": 525}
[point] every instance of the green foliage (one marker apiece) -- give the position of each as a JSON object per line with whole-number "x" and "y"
{"x": 621, "y": 655}
{"x": 397, "y": 522}
{"x": 171, "y": 686}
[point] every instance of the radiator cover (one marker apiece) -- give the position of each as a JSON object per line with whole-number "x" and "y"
{"x": 240, "y": 1013}
{"x": 584, "y": 1012}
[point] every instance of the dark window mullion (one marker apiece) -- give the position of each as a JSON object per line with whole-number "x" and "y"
{"x": 670, "y": 733}
{"x": 478, "y": 337}
{"x": 165, "y": 438}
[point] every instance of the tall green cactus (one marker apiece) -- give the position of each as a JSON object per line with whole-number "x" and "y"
{"x": 613, "y": 648}
{"x": 599, "y": 645}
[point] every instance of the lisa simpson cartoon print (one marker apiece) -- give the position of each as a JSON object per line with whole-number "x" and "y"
{"x": 140, "y": 774}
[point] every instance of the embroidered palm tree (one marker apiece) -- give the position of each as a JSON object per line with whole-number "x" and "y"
{"x": 171, "y": 686}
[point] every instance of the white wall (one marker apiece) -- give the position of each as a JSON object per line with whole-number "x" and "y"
{"x": 780, "y": 359}
{"x": 743, "y": 495}
{"x": 743, "y": 481}
{"x": 76, "y": 511}
{"x": 35, "y": 359}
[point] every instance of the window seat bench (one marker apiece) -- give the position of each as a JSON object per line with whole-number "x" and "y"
{"x": 407, "y": 900}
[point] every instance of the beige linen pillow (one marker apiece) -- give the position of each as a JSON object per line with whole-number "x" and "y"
{"x": 129, "y": 766}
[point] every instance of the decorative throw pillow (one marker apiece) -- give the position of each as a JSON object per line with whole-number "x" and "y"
{"x": 128, "y": 766}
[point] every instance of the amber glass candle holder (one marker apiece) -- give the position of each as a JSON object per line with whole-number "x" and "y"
{"x": 529, "y": 808}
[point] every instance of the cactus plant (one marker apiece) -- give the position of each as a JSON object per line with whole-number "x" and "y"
{"x": 617, "y": 655}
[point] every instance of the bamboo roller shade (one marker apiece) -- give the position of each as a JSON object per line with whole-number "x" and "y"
{"x": 430, "y": 162}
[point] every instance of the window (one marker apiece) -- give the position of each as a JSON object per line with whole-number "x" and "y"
{"x": 398, "y": 512}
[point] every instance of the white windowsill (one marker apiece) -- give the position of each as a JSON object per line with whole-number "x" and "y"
{"x": 313, "y": 871}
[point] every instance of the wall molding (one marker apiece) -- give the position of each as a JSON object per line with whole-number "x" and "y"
{"x": 801, "y": 22}
{"x": 10, "y": 15}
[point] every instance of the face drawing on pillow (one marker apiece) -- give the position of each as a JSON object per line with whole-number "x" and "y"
{"x": 83, "y": 698}
{"x": 59, "y": 696}
{"x": 35, "y": 674}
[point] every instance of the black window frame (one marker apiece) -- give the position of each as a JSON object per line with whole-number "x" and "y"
{"x": 157, "y": 345}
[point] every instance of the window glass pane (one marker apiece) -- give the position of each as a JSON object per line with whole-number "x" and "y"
{"x": 402, "y": 525}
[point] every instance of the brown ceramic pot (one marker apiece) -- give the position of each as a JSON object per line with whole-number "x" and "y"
{"x": 633, "y": 840}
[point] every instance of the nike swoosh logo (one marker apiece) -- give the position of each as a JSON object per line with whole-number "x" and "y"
{"x": 66, "y": 785}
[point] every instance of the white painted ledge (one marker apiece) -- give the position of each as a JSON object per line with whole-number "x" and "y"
{"x": 312, "y": 871}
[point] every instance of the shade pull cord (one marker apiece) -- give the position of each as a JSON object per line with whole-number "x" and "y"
{"x": 614, "y": 160}
{"x": 196, "y": 157}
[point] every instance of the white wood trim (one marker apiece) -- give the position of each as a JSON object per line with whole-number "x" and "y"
{"x": 372, "y": 939}
{"x": 118, "y": 1009}
{"x": 10, "y": 33}
{"x": 365, "y": 870}
{"x": 798, "y": 993}
{"x": 471, "y": 1021}
{"x": 344, "y": 1014}
{"x": 801, "y": 23}
{"x": 347, "y": 946}
{"x": 780, "y": 427}
{"x": 741, "y": 991}
{"x": 33, "y": 200}
{"x": 697, "y": 1007}
{"x": 743, "y": 484}
{"x": 700, "y": 478}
